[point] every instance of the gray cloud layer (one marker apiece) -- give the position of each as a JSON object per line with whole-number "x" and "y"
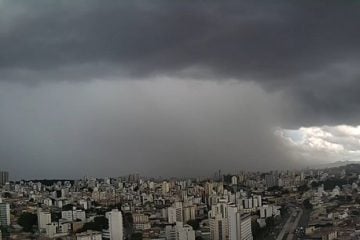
{"x": 305, "y": 54}
{"x": 308, "y": 48}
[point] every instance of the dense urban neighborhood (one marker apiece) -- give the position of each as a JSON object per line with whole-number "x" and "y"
{"x": 281, "y": 205}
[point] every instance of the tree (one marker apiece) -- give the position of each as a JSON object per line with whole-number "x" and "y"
{"x": 27, "y": 221}
{"x": 355, "y": 212}
{"x": 315, "y": 184}
{"x": 270, "y": 222}
{"x": 307, "y": 204}
{"x": 67, "y": 207}
{"x": 303, "y": 188}
{"x": 4, "y": 232}
{"x": 258, "y": 232}
{"x": 285, "y": 191}
{"x": 283, "y": 210}
{"x": 274, "y": 188}
{"x": 55, "y": 216}
{"x": 194, "y": 223}
{"x": 7, "y": 195}
{"x": 136, "y": 236}
{"x": 255, "y": 227}
{"x": 344, "y": 199}
{"x": 128, "y": 220}
{"x": 114, "y": 206}
{"x": 98, "y": 224}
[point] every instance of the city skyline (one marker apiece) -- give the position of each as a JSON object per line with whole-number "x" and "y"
{"x": 320, "y": 203}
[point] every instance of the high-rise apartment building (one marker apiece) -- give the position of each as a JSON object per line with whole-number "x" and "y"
{"x": 115, "y": 224}
{"x": 44, "y": 218}
{"x": 4, "y": 177}
{"x": 218, "y": 221}
{"x": 234, "y": 223}
{"x": 271, "y": 180}
{"x": 171, "y": 213}
{"x": 239, "y": 224}
{"x": 245, "y": 222}
{"x": 175, "y": 213}
{"x": 4, "y": 213}
{"x": 179, "y": 211}
{"x": 179, "y": 231}
{"x": 189, "y": 213}
{"x": 227, "y": 222}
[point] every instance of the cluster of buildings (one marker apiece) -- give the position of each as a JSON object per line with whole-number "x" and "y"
{"x": 227, "y": 207}
{"x": 335, "y": 205}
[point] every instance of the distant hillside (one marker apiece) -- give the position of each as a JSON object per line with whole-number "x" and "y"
{"x": 335, "y": 164}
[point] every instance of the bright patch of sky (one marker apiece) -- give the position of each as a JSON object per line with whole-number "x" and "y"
{"x": 323, "y": 143}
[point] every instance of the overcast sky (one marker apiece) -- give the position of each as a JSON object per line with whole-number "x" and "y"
{"x": 176, "y": 88}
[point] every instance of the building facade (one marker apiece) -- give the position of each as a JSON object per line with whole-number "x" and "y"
{"x": 115, "y": 224}
{"x": 4, "y": 177}
{"x": 4, "y": 214}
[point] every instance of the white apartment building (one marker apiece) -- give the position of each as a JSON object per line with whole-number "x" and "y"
{"x": 44, "y": 218}
{"x": 189, "y": 213}
{"x": 175, "y": 213}
{"x": 73, "y": 215}
{"x": 4, "y": 214}
{"x": 115, "y": 224}
{"x": 171, "y": 213}
{"x": 57, "y": 229}
{"x": 218, "y": 221}
{"x": 179, "y": 231}
{"x": 227, "y": 222}
{"x": 239, "y": 224}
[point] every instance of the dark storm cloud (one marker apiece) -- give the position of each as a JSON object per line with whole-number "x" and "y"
{"x": 292, "y": 45}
